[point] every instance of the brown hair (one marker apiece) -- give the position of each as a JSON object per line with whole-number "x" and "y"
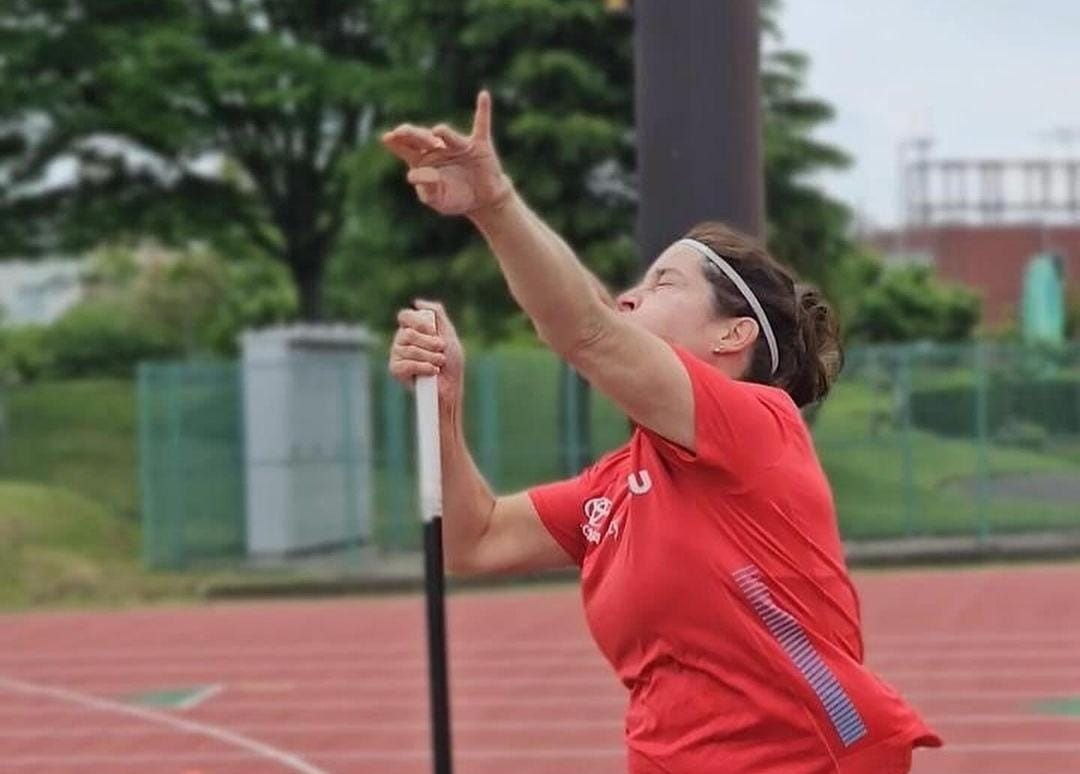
{"x": 807, "y": 332}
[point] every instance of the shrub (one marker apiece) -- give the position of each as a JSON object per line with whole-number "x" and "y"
{"x": 910, "y": 304}
{"x": 1052, "y": 404}
{"x": 23, "y": 354}
{"x": 102, "y": 339}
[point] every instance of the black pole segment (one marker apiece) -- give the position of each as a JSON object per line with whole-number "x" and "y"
{"x": 698, "y": 115}
{"x": 435, "y": 584}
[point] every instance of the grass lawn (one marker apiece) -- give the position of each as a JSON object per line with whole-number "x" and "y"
{"x": 870, "y": 474}
{"x": 58, "y": 546}
{"x": 79, "y": 435}
{"x": 69, "y": 531}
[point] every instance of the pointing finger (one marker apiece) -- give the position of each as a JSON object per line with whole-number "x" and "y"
{"x": 482, "y": 119}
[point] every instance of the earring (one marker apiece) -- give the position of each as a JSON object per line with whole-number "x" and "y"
{"x": 716, "y": 350}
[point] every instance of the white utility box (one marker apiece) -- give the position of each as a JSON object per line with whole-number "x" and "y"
{"x": 308, "y": 438}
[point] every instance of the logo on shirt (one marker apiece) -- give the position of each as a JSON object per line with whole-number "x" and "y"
{"x": 596, "y": 511}
{"x": 639, "y": 482}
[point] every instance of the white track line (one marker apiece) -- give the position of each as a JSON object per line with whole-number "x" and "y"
{"x": 978, "y": 638}
{"x": 472, "y": 647}
{"x": 382, "y": 666}
{"x": 317, "y": 667}
{"x": 497, "y": 648}
{"x": 254, "y": 748}
{"x": 613, "y": 724}
{"x": 1027, "y": 748}
{"x": 598, "y": 681}
{"x": 563, "y": 753}
{"x": 197, "y": 698}
{"x": 231, "y": 702}
{"x": 513, "y": 754}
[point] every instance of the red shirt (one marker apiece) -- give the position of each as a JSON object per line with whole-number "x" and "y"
{"x": 715, "y": 584}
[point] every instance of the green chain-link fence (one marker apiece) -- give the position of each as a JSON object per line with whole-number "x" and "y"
{"x": 191, "y": 463}
{"x": 917, "y": 440}
{"x": 922, "y": 440}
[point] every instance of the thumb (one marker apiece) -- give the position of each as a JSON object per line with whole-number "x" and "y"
{"x": 443, "y": 326}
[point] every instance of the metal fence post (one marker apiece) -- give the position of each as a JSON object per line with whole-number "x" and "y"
{"x": 146, "y": 480}
{"x": 175, "y": 469}
{"x": 488, "y": 391}
{"x": 574, "y": 406}
{"x": 982, "y": 440}
{"x": 395, "y": 426}
{"x": 907, "y": 452}
{"x": 236, "y": 380}
{"x": 348, "y": 459}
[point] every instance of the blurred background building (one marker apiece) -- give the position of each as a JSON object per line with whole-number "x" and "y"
{"x": 38, "y": 292}
{"x": 980, "y": 221}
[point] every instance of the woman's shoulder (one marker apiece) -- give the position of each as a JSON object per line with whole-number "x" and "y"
{"x": 611, "y": 462}
{"x": 720, "y": 385}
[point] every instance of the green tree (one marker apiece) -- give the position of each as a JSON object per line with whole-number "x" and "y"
{"x": 560, "y": 73}
{"x": 564, "y": 116}
{"x": 205, "y": 302}
{"x": 182, "y": 117}
{"x": 909, "y": 304}
{"x": 806, "y": 228}
{"x": 252, "y": 123}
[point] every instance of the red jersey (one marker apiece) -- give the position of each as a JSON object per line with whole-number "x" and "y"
{"x": 715, "y": 584}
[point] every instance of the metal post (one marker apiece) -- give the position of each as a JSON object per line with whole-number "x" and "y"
{"x": 487, "y": 371}
{"x": 982, "y": 441}
{"x": 907, "y": 452}
{"x": 177, "y": 468}
{"x": 574, "y": 406}
{"x": 395, "y": 427}
{"x": 698, "y": 105}
{"x": 148, "y": 497}
{"x": 349, "y": 461}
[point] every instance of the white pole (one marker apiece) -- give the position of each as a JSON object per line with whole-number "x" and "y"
{"x": 427, "y": 436}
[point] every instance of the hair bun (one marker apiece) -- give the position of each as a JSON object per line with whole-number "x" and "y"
{"x": 819, "y": 334}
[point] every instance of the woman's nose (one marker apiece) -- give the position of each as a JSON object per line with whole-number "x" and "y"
{"x": 628, "y": 301}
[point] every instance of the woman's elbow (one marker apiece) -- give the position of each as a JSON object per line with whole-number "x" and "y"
{"x": 459, "y": 566}
{"x": 574, "y": 343}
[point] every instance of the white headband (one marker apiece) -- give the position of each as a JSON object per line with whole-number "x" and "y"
{"x": 748, "y": 294}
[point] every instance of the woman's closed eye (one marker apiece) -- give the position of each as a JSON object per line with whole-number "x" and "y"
{"x": 665, "y": 278}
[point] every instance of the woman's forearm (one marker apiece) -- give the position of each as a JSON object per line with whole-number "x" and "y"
{"x": 566, "y": 303}
{"x": 468, "y": 501}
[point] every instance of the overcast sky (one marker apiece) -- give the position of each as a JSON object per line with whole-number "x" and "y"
{"x": 982, "y": 77}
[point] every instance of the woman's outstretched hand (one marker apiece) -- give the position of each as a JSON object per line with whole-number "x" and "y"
{"x": 453, "y": 174}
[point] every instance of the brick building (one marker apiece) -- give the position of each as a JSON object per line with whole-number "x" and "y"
{"x": 979, "y": 222}
{"x": 988, "y": 258}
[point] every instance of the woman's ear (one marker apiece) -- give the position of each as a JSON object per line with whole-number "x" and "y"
{"x": 735, "y": 335}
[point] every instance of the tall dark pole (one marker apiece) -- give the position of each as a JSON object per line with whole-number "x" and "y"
{"x": 698, "y": 106}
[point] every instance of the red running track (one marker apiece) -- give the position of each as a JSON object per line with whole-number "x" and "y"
{"x": 338, "y": 687}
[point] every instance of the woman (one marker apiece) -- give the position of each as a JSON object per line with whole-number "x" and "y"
{"x": 712, "y": 573}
